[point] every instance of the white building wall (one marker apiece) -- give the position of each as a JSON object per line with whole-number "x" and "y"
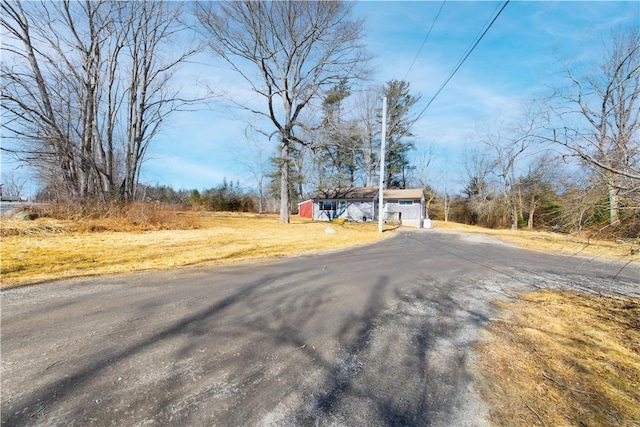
{"x": 411, "y": 212}
{"x": 357, "y": 210}
{"x": 360, "y": 211}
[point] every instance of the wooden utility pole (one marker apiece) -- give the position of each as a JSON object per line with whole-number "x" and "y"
{"x": 382, "y": 154}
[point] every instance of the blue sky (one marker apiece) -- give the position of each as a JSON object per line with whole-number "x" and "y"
{"x": 520, "y": 56}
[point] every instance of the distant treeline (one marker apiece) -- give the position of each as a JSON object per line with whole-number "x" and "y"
{"x": 228, "y": 197}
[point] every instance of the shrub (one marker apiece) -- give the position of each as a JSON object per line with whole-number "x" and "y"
{"x": 135, "y": 216}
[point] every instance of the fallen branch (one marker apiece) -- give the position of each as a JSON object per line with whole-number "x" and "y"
{"x": 549, "y": 377}
{"x": 536, "y": 414}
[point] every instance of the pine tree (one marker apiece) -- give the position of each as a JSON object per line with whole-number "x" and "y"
{"x": 399, "y": 102}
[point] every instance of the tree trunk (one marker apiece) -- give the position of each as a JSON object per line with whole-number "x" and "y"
{"x": 284, "y": 181}
{"x": 514, "y": 217}
{"x": 532, "y": 210}
{"x": 614, "y": 204}
{"x": 260, "y": 197}
{"x": 447, "y": 207}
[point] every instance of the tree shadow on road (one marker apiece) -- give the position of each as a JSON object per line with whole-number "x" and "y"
{"x": 275, "y": 350}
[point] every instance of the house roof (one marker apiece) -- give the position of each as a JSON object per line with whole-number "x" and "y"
{"x": 348, "y": 193}
{"x": 367, "y": 193}
{"x": 408, "y": 193}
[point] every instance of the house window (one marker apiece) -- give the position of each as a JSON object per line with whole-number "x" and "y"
{"x": 406, "y": 202}
{"x": 327, "y": 205}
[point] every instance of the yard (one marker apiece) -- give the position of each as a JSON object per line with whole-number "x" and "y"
{"x": 550, "y": 358}
{"x": 46, "y": 249}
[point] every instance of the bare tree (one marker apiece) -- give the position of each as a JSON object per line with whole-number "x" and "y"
{"x": 607, "y": 99}
{"x": 85, "y": 87}
{"x": 287, "y": 52}
{"x": 47, "y": 75}
{"x": 446, "y": 196}
{"x": 12, "y": 185}
{"x": 478, "y": 190}
{"x": 151, "y": 25}
{"x": 337, "y": 143}
{"x": 506, "y": 153}
{"x": 423, "y": 161}
{"x": 257, "y": 166}
{"x": 367, "y": 107}
{"x": 537, "y": 186}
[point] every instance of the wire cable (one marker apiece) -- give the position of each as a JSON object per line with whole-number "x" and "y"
{"x": 425, "y": 40}
{"x": 468, "y": 52}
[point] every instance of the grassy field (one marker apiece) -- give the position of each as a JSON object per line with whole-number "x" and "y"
{"x": 46, "y": 249}
{"x": 554, "y": 242}
{"x": 551, "y": 359}
{"x": 563, "y": 359}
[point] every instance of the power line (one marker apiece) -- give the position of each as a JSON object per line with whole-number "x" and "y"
{"x": 468, "y": 52}
{"x": 425, "y": 40}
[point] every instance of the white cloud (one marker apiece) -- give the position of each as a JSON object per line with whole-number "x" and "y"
{"x": 516, "y": 59}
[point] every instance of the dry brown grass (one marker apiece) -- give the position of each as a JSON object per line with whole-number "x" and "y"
{"x": 96, "y": 218}
{"x": 566, "y": 244}
{"x": 555, "y": 359}
{"x": 563, "y": 359}
{"x": 46, "y": 249}
{"x": 121, "y": 238}
{"x": 559, "y": 358}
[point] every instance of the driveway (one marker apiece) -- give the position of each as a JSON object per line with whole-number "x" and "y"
{"x": 378, "y": 335}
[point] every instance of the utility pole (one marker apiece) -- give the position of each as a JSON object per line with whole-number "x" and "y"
{"x": 382, "y": 154}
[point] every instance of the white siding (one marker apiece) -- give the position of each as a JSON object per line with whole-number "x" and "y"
{"x": 356, "y": 210}
{"x": 411, "y": 212}
{"x": 360, "y": 210}
{"x": 353, "y": 210}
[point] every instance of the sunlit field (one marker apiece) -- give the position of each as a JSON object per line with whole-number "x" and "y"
{"x": 563, "y": 359}
{"x": 46, "y": 249}
{"x": 566, "y": 244}
{"x": 551, "y": 358}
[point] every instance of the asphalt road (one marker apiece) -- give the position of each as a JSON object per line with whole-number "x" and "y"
{"x": 380, "y": 335}
{"x": 6, "y": 207}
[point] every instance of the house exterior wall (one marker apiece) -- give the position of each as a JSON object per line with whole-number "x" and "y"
{"x": 410, "y": 212}
{"x": 361, "y": 210}
{"x": 305, "y": 209}
{"x": 361, "y": 204}
{"x": 353, "y": 210}
{"x": 323, "y": 214}
{"x": 367, "y": 210}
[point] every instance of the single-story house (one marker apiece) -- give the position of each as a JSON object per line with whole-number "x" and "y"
{"x": 361, "y": 204}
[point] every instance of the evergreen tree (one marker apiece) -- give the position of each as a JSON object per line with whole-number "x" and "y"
{"x": 340, "y": 142}
{"x": 399, "y": 102}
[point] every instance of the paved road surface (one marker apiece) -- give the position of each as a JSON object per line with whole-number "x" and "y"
{"x": 6, "y": 207}
{"x": 379, "y": 335}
